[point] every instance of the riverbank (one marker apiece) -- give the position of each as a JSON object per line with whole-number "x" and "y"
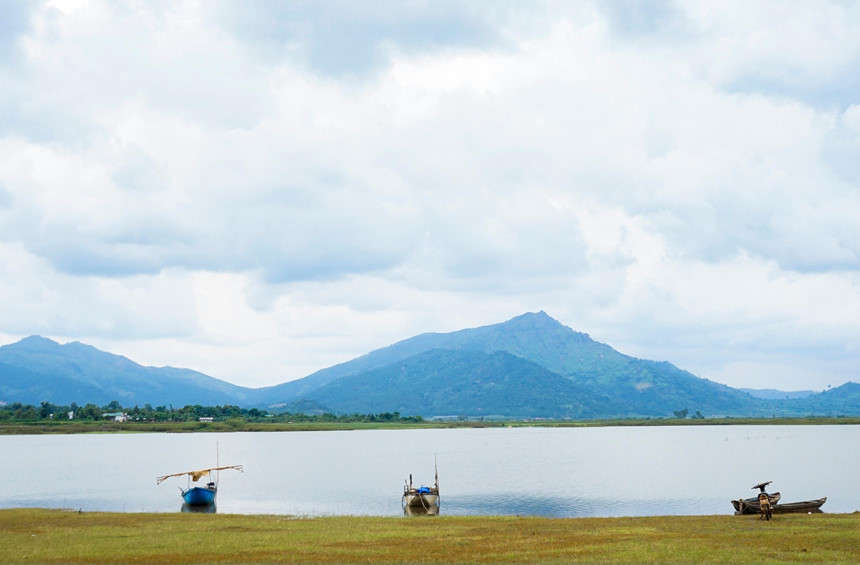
{"x": 57, "y": 536}
{"x": 234, "y": 425}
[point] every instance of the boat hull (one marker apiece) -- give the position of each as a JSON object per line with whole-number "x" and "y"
{"x": 420, "y": 511}
{"x": 207, "y": 509}
{"x": 424, "y": 500}
{"x": 199, "y": 496}
{"x": 802, "y": 507}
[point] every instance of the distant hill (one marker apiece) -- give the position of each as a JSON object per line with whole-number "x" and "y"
{"x": 474, "y": 383}
{"x": 773, "y": 394}
{"x": 608, "y": 383}
{"x": 37, "y": 369}
{"x": 530, "y": 366}
{"x": 840, "y": 401}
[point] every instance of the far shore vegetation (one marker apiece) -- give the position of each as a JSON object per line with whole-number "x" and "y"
{"x": 20, "y": 418}
{"x": 58, "y": 536}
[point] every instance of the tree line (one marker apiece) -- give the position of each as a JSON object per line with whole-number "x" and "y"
{"x": 46, "y": 411}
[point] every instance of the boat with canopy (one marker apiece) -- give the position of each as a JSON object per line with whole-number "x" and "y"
{"x": 199, "y": 495}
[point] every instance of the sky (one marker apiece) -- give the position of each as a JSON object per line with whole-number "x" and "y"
{"x": 258, "y": 190}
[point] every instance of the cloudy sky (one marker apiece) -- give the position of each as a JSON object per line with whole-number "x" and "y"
{"x": 258, "y": 190}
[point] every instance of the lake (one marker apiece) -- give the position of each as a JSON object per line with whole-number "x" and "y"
{"x": 558, "y": 472}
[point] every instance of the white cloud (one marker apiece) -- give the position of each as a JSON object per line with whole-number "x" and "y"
{"x": 36, "y": 299}
{"x": 229, "y": 189}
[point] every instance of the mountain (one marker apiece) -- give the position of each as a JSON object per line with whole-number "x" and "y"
{"x": 614, "y": 384}
{"x": 839, "y": 401}
{"x": 19, "y": 384}
{"x": 529, "y": 366}
{"x": 773, "y": 394}
{"x": 530, "y": 336}
{"x": 452, "y": 382}
{"x": 37, "y": 369}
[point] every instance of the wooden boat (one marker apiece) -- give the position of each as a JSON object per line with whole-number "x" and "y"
{"x": 423, "y": 499}
{"x": 752, "y": 506}
{"x": 199, "y": 495}
{"x": 802, "y": 507}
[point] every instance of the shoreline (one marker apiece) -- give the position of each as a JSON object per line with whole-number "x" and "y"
{"x": 77, "y": 427}
{"x": 46, "y": 536}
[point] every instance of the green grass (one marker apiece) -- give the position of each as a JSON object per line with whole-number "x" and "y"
{"x": 76, "y": 427}
{"x": 56, "y": 536}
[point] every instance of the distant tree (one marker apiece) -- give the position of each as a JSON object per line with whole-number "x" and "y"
{"x": 698, "y": 416}
{"x": 681, "y": 414}
{"x": 89, "y": 412}
{"x": 45, "y": 410}
{"x": 25, "y": 412}
{"x": 112, "y": 406}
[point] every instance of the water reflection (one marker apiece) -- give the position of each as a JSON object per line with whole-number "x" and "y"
{"x": 420, "y": 511}
{"x": 197, "y": 508}
{"x": 561, "y": 505}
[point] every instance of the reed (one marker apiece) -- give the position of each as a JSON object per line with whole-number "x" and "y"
{"x": 57, "y": 536}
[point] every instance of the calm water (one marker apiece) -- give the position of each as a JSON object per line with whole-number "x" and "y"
{"x": 529, "y": 471}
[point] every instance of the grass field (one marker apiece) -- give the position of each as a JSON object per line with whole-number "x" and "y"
{"x": 57, "y": 536}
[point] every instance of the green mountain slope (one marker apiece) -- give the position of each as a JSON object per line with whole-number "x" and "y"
{"x": 535, "y": 337}
{"x": 287, "y": 392}
{"x": 37, "y": 369}
{"x": 18, "y": 384}
{"x": 529, "y": 366}
{"x": 474, "y": 383}
{"x": 621, "y": 385}
{"x": 840, "y": 401}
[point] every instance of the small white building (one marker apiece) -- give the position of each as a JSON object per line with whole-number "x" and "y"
{"x": 116, "y": 416}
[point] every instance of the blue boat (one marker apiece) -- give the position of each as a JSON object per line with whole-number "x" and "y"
{"x": 196, "y": 495}
{"x": 200, "y": 496}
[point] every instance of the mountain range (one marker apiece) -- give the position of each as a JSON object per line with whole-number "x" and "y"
{"x": 530, "y": 366}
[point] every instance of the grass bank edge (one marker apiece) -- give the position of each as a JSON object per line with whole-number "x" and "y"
{"x": 58, "y": 535}
{"x": 27, "y": 428}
